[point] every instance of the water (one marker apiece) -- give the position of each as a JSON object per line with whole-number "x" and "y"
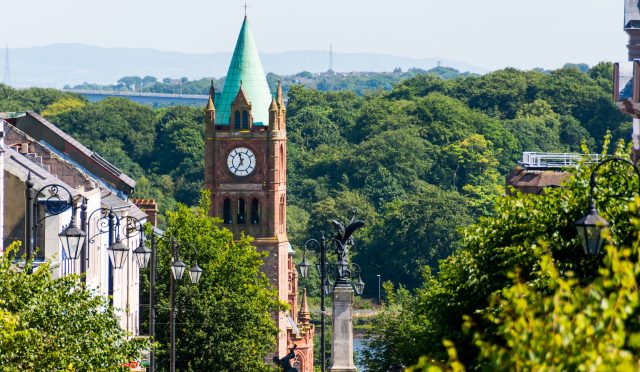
{"x": 358, "y": 347}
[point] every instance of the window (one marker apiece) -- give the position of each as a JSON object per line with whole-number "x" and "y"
{"x": 241, "y": 212}
{"x": 282, "y": 214}
{"x": 282, "y": 164}
{"x": 226, "y": 211}
{"x": 255, "y": 212}
{"x": 236, "y": 120}
{"x": 245, "y": 120}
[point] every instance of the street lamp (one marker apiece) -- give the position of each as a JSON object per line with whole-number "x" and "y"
{"x": 142, "y": 255}
{"x": 359, "y": 286}
{"x": 72, "y": 238}
{"x": 148, "y": 257}
{"x": 304, "y": 265}
{"x": 57, "y": 200}
{"x": 118, "y": 254}
{"x": 177, "y": 268}
{"x": 195, "y": 273}
{"x": 342, "y": 269}
{"x": 591, "y": 227}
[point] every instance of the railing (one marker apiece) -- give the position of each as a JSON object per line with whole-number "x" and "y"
{"x": 546, "y": 160}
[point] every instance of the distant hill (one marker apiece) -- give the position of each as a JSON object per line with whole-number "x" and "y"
{"x": 60, "y": 64}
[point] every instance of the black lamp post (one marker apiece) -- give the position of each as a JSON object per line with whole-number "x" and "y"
{"x": 592, "y": 225}
{"x": 342, "y": 270}
{"x": 148, "y": 257}
{"x": 57, "y": 200}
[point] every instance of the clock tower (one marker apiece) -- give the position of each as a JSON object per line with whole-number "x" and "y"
{"x": 245, "y": 164}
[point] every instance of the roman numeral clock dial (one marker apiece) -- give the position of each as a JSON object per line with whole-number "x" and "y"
{"x": 241, "y": 161}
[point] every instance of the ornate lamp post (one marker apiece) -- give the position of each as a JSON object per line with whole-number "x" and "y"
{"x": 72, "y": 238}
{"x": 592, "y": 225}
{"x": 342, "y": 290}
{"x": 145, "y": 256}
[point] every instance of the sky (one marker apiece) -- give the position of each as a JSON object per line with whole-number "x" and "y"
{"x": 490, "y": 33}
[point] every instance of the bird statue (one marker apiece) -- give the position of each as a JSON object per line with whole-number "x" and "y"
{"x": 343, "y": 234}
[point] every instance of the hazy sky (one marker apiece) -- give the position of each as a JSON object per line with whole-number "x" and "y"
{"x": 487, "y": 33}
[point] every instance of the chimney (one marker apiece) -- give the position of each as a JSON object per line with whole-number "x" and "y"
{"x": 149, "y": 207}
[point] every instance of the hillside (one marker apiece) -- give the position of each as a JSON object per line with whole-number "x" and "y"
{"x": 78, "y": 63}
{"x": 417, "y": 162}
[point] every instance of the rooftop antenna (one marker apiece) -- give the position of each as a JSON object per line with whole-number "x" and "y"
{"x": 331, "y": 57}
{"x": 7, "y": 68}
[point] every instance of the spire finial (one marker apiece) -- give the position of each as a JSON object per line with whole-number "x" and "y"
{"x": 245, "y": 6}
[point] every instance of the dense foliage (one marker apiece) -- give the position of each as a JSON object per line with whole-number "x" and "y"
{"x": 529, "y": 239}
{"x": 416, "y": 162}
{"x": 224, "y": 322}
{"x": 57, "y": 324}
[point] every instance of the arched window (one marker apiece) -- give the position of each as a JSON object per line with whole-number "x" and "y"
{"x": 282, "y": 214}
{"x": 245, "y": 120}
{"x": 226, "y": 211}
{"x": 255, "y": 212}
{"x": 241, "y": 212}
{"x": 282, "y": 164}
{"x": 236, "y": 120}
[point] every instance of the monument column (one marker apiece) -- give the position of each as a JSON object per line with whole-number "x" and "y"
{"x": 342, "y": 338}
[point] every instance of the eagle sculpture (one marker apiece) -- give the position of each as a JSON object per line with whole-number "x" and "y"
{"x": 343, "y": 234}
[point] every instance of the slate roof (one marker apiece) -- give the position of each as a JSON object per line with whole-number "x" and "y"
{"x": 245, "y": 67}
{"x": 68, "y": 147}
{"x": 20, "y": 166}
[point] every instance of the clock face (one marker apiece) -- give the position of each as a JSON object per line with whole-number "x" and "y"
{"x": 241, "y": 161}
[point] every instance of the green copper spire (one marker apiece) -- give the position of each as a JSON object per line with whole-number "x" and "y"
{"x": 246, "y": 68}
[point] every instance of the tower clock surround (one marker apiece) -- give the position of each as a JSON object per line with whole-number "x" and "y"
{"x": 241, "y": 161}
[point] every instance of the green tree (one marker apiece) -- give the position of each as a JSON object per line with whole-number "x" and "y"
{"x": 57, "y": 324}
{"x": 412, "y": 232}
{"x": 225, "y": 321}
{"x": 496, "y": 246}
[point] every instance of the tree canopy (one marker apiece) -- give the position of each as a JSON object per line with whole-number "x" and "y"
{"x": 57, "y": 324}
{"x": 373, "y": 151}
{"x": 225, "y": 321}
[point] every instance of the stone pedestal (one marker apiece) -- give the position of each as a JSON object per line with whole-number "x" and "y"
{"x": 342, "y": 339}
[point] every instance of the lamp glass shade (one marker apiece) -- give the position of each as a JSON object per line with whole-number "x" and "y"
{"x": 72, "y": 240}
{"x": 327, "y": 287}
{"x": 142, "y": 255}
{"x": 304, "y": 267}
{"x": 319, "y": 267}
{"x": 118, "y": 254}
{"x": 590, "y": 229}
{"x": 343, "y": 269}
{"x": 177, "y": 269}
{"x": 195, "y": 273}
{"x": 358, "y": 286}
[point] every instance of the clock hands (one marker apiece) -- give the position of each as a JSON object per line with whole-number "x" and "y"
{"x": 241, "y": 161}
